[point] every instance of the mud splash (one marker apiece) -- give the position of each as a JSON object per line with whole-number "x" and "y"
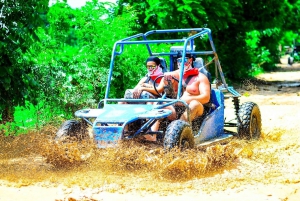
{"x": 33, "y": 158}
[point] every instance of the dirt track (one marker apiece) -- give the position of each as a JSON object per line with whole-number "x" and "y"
{"x": 265, "y": 170}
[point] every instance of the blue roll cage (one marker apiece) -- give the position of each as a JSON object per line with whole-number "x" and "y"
{"x": 189, "y": 40}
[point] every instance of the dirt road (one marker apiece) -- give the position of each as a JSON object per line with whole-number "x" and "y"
{"x": 268, "y": 169}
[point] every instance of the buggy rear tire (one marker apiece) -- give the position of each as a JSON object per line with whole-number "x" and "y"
{"x": 72, "y": 129}
{"x": 179, "y": 134}
{"x": 249, "y": 125}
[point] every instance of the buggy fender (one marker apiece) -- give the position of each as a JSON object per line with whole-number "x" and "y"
{"x": 213, "y": 124}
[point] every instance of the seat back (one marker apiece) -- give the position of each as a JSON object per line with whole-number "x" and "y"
{"x": 199, "y": 63}
{"x": 163, "y": 64}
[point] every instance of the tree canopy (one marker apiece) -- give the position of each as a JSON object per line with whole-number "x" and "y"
{"x": 231, "y": 22}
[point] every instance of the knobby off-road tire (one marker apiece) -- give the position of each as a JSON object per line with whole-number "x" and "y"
{"x": 72, "y": 129}
{"x": 179, "y": 134}
{"x": 250, "y": 125}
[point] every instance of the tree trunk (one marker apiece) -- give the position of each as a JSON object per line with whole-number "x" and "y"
{"x": 7, "y": 115}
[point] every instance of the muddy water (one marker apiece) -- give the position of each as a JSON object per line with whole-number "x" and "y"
{"x": 271, "y": 161}
{"x": 35, "y": 158}
{"x": 39, "y": 152}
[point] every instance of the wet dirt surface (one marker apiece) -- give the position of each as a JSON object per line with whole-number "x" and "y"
{"x": 33, "y": 167}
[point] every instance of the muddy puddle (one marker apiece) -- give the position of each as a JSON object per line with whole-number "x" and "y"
{"x": 36, "y": 158}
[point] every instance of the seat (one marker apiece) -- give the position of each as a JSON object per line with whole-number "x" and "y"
{"x": 199, "y": 63}
{"x": 163, "y": 64}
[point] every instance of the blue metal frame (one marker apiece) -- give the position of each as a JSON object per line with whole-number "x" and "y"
{"x": 213, "y": 125}
{"x": 186, "y": 41}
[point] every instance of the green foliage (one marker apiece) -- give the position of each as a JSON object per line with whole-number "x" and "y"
{"x": 296, "y": 58}
{"x": 77, "y": 72}
{"x": 19, "y": 20}
{"x": 167, "y": 14}
{"x": 11, "y": 128}
{"x": 32, "y": 118}
{"x": 259, "y": 55}
{"x": 289, "y": 38}
{"x": 75, "y": 53}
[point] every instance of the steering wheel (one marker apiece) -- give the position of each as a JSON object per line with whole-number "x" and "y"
{"x": 155, "y": 86}
{"x": 169, "y": 86}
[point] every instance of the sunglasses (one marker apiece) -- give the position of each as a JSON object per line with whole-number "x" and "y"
{"x": 151, "y": 67}
{"x": 185, "y": 60}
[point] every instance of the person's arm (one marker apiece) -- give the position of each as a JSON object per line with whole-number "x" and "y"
{"x": 137, "y": 90}
{"x": 140, "y": 83}
{"x": 150, "y": 87}
{"x": 170, "y": 75}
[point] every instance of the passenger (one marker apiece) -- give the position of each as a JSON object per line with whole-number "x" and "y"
{"x": 195, "y": 86}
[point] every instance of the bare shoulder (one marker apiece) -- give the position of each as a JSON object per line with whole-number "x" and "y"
{"x": 202, "y": 78}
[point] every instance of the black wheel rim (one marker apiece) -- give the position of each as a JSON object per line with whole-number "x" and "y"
{"x": 254, "y": 127}
{"x": 185, "y": 144}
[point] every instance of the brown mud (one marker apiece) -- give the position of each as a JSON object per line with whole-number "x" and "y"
{"x": 33, "y": 167}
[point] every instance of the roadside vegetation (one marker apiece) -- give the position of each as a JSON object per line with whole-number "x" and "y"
{"x": 55, "y": 60}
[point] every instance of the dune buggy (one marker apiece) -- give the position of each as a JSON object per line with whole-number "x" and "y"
{"x": 294, "y": 54}
{"x": 109, "y": 119}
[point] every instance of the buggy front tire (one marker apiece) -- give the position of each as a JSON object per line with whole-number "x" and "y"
{"x": 179, "y": 134}
{"x": 249, "y": 122}
{"x": 72, "y": 129}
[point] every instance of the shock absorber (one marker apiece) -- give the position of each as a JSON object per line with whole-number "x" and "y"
{"x": 236, "y": 102}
